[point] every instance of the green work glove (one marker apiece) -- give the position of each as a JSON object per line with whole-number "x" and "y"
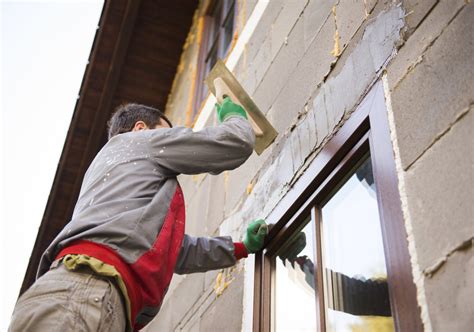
{"x": 255, "y": 236}
{"x": 228, "y": 108}
{"x": 293, "y": 247}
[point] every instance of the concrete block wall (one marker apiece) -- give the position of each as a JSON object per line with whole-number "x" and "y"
{"x": 431, "y": 86}
{"x": 308, "y": 65}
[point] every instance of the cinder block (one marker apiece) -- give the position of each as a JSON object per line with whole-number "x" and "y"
{"x": 434, "y": 93}
{"x": 197, "y": 209}
{"x": 416, "y": 11}
{"x": 320, "y": 116}
{"x": 175, "y": 281}
{"x": 216, "y": 203}
{"x": 164, "y": 320}
{"x": 311, "y": 121}
{"x": 177, "y": 303}
{"x": 225, "y": 314}
{"x": 284, "y": 170}
{"x": 296, "y": 150}
{"x": 280, "y": 70}
{"x": 211, "y": 276}
{"x": 450, "y": 294}
{"x": 285, "y": 21}
{"x": 238, "y": 180}
{"x": 305, "y": 134}
{"x": 424, "y": 35}
{"x": 192, "y": 325}
{"x": 439, "y": 189}
{"x": 184, "y": 296}
{"x": 246, "y": 76}
{"x": 284, "y": 112}
{"x": 335, "y": 100}
{"x": 263, "y": 28}
{"x": 309, "y": 72}
{"x": 315, "y": 16}
{"x": 350, "y": 15}
{"x": 262, "y": 60}
{"x": 188, "y": 185}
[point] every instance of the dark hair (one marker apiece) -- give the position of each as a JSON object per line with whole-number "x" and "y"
{"x": 125, "y": 117}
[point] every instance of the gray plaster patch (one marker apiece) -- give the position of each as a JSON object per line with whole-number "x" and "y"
{"x": 342, "y": 92}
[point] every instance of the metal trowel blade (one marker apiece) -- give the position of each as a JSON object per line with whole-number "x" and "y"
{"x": 222, "y": 83}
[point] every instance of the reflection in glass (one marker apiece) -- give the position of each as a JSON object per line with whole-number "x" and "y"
{"x": 294, "y": 300}
{"x": 355, "y": 277}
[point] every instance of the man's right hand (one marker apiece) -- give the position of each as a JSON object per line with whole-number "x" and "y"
{"x": 228, "y": 109}
{"x": 295, "y": 247}
{"x": 255, "y": 236}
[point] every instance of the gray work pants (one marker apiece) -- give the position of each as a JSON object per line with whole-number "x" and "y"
{"x": 62, "y": 300}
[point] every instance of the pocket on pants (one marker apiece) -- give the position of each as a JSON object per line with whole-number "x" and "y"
{"x": 104, "y": 308}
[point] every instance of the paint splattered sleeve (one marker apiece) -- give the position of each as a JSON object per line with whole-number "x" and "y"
{"x": 211, "y": 150}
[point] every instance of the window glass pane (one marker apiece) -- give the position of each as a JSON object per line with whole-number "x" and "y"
{"x": 228, "y": 30}
{"x": 355, "y": 275}
{"x": 216, "y": 15}
{"x": 294, "y": 301}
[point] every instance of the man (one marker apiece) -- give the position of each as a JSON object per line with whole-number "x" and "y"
{"x": 111, "y": 265}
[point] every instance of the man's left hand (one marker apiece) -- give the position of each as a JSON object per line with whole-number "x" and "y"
{"x": 255, "y": 236}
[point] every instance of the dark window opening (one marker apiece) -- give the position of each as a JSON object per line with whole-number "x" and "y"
{"x": 219, "y": 27}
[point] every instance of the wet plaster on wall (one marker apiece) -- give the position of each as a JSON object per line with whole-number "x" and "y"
{"x": 417, "y": 273}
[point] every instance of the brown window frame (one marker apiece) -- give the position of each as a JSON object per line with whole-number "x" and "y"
{"x": 227, "y": 9}
{"x": 366, "y": 131}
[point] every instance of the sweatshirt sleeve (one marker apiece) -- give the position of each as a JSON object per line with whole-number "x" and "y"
{"x": 180, "y": 150}
{"x": 201, "y": 254}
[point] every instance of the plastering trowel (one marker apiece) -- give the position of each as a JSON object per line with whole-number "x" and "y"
{"x": 222, "y": 83}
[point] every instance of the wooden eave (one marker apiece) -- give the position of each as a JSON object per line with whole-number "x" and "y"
{"x": 134, "y": 58}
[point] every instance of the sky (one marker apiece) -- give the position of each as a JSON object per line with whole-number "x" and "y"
{"x": 44, "y": 48}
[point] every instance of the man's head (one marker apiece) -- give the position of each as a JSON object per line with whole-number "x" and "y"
{"x": 133, "y": 117}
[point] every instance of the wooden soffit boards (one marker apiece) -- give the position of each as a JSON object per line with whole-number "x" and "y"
{"x": 134, "y": 58}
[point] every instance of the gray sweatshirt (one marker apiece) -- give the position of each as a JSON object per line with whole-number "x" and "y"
{"x": 130, "y": 210}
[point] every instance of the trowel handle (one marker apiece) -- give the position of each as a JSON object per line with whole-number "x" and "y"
{"x": 222, "y": 91}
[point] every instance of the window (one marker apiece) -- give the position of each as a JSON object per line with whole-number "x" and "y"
{"x": 337, "y": 257}
{"x": 294, "y": 299}
{"x": 353, "y": 263}
{"x": 218, "y": 33}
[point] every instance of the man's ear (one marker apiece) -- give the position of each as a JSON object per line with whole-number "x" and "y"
{"x": 139, "y": 125}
